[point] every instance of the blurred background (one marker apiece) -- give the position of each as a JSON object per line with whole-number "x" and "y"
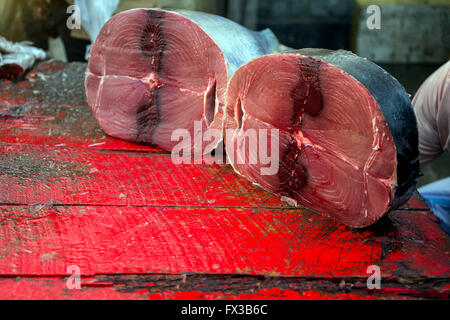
{"x": 412, "y": 42}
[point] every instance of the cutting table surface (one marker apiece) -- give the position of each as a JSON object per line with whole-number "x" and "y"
{"x": 137, "y": 226}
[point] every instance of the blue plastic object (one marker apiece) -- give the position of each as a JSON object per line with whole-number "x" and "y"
{"x": 437, "y": 197}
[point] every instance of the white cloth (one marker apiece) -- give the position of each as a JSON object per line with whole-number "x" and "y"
{"x": 94, "y": 14}
{"x": 432, "y": 108}
{"x": 22, "y": 53}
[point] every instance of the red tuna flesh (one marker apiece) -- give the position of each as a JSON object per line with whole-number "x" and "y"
{"x": 152, "y": 72}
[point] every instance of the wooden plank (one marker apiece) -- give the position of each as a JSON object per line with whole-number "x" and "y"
{"x": 50, "y": 83}
{"x": 56, "y": 289}
{"x": 31, "y": 115}
{"x": 42, "y": 175}
{"x": 39, "y": 240}
{"x": 36, "y": 174}
{"x": 42, "y": 132}
{"x": 416, "y": 202}
{"x": 202, "y": 288}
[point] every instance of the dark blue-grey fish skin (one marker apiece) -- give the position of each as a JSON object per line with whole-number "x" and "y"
{"x": 238, "y": 44}
{"x": 395, "y": 105}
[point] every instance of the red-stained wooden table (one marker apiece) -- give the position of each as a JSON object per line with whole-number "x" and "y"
{"x": 138, "y": 226}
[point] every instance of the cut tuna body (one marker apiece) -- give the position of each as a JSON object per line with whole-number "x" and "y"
{"x": 152, "y": 72}
{"x": 346, "y": 132}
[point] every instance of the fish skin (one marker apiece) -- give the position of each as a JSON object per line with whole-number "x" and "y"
{"x": 396, "y": 107}
{"x": 247, "y": 44}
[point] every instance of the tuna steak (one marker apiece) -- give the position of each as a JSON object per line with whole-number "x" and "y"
{"x": 348, "y": 141}
{"x": 153, "y": 71}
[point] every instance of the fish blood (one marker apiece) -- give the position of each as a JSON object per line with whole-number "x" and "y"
{"x": 348, "y": 141}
